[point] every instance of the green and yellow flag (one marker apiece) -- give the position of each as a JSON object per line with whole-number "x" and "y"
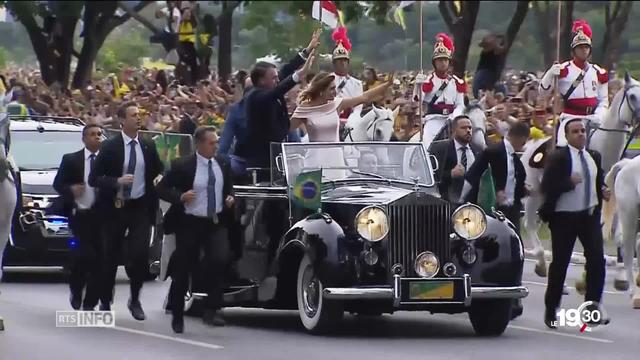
{"x": 307, "y": 190}
{"x": 487, "y": 191}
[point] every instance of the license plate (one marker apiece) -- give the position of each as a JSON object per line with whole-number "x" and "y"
{"x": 431, "y": 290}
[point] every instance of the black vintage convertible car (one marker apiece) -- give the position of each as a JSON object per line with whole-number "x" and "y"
{"x": 383, "y": 241}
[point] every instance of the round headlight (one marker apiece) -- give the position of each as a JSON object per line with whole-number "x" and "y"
{"x": 427, "y": 264}
{"x": 372, "y": 223}
{"x": 469, "y": 221}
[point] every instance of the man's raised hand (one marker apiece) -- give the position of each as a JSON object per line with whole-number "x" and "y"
{"x": 315, "y": 41}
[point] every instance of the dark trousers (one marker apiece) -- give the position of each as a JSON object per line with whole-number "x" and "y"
{"x": 134, "y": 218}
{"x": 195, "y": 235}
{"x": 565, "y": 227}
{"x": 513, "y": 213}
{"x": 188, "y": 56}
{"x": 85, "y": 257}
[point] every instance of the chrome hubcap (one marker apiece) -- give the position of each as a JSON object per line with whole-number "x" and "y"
{"x": 310, "y": 292}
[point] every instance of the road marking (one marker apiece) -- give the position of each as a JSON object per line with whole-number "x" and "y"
{"x": 571, "y": 287}
{"x": 560, "y": 334}
{"x": 166, "y": 337}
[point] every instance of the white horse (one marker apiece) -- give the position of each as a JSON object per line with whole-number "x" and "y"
{"x": 437, "y": 127}
{"x": 624, "y": 179}
{"x": 608, "y": 139}
{"x": 376, "y": 125}
{"x": 7, "y": 187}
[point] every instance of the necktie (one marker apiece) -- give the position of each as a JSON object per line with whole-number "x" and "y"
{"x": 131, "y": 167}
{"x": 463, "y": 156}
{"x": 587, "y": 179}
{"x": 211, "y": 194}
{"x": 92, "y": 161}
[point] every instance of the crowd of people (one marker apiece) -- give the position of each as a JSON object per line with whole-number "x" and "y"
{"x": 267, "y": 104}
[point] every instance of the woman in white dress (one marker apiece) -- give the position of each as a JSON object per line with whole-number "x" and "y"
{"x": 318, "y": 110}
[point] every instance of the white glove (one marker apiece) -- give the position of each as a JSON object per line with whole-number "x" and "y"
{"x": 555, "y": 69}
{"x": 421, "y": 78}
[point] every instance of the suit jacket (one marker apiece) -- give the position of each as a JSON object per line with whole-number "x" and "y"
{"x": 108, "y": 167}
{"x": 267, "y": 118}
{"x": 556, "y": 180}
{"x": 179, "y": 179}
{"x": 445, "y": 151}
{"x": 70, "y": 172}
{"x": 496, "y": 156}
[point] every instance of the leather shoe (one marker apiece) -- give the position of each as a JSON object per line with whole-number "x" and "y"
{"x": 550, "y": 319}
{"x": 177, "y": 324}
{"x": 76, "y": 301}
{"x": 136, "y": 310}
{"x": 213, "y": 317}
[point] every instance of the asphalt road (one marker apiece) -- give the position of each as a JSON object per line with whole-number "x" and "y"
{"x": 29, "y": 306}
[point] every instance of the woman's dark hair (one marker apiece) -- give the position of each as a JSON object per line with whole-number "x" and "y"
{"x": 317, "y": 86}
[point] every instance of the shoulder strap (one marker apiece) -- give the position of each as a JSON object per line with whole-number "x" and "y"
{"x": 439, "y": 92}
{"x": 575, "y": 84}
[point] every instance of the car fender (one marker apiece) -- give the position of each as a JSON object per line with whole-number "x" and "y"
{"x": 499, "y": 256}
{"x": 322, "y": 238}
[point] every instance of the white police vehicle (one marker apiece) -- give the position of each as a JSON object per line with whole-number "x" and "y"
{"x": 40, "y": 239}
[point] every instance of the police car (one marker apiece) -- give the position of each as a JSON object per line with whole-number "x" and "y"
{"x": 40, "y": 239}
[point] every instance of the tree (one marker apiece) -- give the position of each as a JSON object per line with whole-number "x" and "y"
{"x": 52, "y": 26}
{"x": 615, "y": 24}
{"x": 546, "y": 16}
{"x": 461, "y": 21}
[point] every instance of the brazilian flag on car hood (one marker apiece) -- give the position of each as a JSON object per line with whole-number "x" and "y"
{"x": 307, "y": 190}
{"x": 487, "y": 191}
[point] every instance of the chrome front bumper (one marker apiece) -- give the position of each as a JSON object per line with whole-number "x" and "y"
{"x": 393, "y": 293}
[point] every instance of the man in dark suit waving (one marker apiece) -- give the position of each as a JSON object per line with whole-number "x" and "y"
{"x": 77, "y": 201}
{"x": 508, "y": 173}
{"x": 124, "y": 174}
{"x": 455, "y": 156}
{"x": 200, "y": 190}
{"x": 573, "y": 185}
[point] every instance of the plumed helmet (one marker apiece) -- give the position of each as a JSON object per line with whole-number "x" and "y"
{"x": 443, "y": 47}
{"x": 343, "y": 45}
{"x": 582, "y": 33}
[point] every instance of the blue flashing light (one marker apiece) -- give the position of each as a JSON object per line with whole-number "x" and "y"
{"x": 73, "y": 243}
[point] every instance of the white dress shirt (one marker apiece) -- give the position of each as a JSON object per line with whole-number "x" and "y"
{"x": 87, "y": 199}
{"x": 470, "y": 157}
{"x": 198, "y": 207}
{"x": 573, "y": 200}
{"x": 510, "y": 187}
{"x": 138, "y": 186}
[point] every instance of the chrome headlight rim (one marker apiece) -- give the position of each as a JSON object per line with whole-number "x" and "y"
{"x": 465, "y": 206}
{"x": 437, "y": 261}
{"x": 361, "y": 212}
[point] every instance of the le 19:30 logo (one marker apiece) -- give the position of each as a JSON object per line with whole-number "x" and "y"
{"x": 586, "y": 317}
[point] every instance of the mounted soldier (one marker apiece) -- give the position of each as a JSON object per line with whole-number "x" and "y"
{"x": 443, "y": 93}
{"x": 582, "y": 85}
{"x": 347, "y": 86}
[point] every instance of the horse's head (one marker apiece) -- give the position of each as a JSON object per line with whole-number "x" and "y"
{"x": 379, "y": 123}
{"x": 629, "y": 108}
{"x": 475, "y": 112}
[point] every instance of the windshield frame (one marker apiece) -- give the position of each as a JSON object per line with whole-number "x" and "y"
{"x": 48, "y": 168}
{"x": 405, "y": 144}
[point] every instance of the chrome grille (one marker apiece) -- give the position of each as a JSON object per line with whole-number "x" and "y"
{"x": 417, "y": 225}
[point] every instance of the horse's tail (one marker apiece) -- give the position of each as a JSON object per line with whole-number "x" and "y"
{"x": 609, "y": 207}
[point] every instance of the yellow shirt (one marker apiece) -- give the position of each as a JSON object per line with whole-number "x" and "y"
{"x": 536, "y": 134}
{"x": 186, "y": 32}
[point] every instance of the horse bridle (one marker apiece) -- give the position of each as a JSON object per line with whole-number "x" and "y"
{"x": 373, "y": 123}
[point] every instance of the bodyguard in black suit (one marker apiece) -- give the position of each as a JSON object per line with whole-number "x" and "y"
{"x": 124, "y": 173}
{"x": 200, "y": 190}
{"x": 573, "y": 185}
{"x": 455, "y": 156}
{"x": 508, "y": 173}
{"x": 267, "y": 113}
{"x": 78, "y": 206}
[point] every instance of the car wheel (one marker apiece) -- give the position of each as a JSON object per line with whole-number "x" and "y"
{"x": 490, "y": 317}
{"x": 317, "y": 314}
